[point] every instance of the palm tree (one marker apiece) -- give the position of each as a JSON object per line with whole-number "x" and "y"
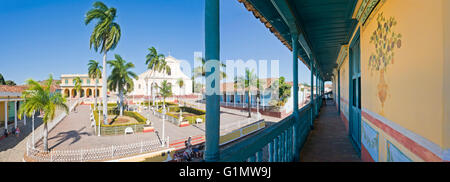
{"x": 94, "y": 71}
{"x": 2, "y": 80}
{"x": 180, "y": 83}
{"x": 200, "y": 71}
{"x": 77, "y": 86}
{"x": 165, "y": 90}
{"x": 121, "y": 78}
{"x": 248, "y": 81}
{"x": 106, "y": 36}
{"x": 156, "y": 62}
{"x": 40, "y": 98}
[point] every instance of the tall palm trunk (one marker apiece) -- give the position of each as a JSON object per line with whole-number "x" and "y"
{"x": 104, "y": 91}
{"x": 121, "y": 101}
{"x": 249, "y": 104}
{"x": 45, "y": 137}
{"x": 95, "y": 93}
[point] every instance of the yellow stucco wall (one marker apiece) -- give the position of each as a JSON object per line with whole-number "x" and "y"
{"x": 446, "y": 22}
{"x": 2, "y": 112}
{"x": 415, "y": 78}
{"x": 344, "y": 76}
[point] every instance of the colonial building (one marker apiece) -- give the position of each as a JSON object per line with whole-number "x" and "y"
{"x": 10, "y": 100}
{"x": 87, "y": 86}
{"x": 148, "y": 82}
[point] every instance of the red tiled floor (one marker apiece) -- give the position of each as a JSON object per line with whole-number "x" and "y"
{"x": 329, "y": 141}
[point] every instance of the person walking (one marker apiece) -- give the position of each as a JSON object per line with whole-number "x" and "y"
{"x": 17, "y": 132}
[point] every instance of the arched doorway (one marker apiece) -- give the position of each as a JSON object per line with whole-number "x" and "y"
{"x": 82, "y": 93}
{"x": 89, "y": 92}
{"x": 98, "y": 92}
{"x": 154, "y": 89}
{"x": 66, "y": 93}
{"x": 74, "y": 93}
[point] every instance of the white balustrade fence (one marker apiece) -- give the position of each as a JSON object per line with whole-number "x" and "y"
{"x": 236, "y": 125}
{"x": 96, "y": 154}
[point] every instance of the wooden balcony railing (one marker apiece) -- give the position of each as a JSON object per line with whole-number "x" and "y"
{"x": 280, "y": 142}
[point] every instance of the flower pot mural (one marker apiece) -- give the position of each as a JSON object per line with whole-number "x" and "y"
{"x": 385, "y": 41}
{"x": 382, "y": 90}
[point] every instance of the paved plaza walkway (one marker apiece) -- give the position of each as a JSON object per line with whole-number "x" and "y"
{"x": 74, "y": 132}
{"x": 13, "y": 148}
{"x": 329, "y": 141}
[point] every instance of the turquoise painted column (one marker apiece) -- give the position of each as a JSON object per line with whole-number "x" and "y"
{"x": 339, "y": 92}
{"x": 316, "y": 112}
{"x": 295, "y": 85}
{"x": 295, "y": 71}
{"x": 212, "y": 53}
{"x": 312, "y": 94}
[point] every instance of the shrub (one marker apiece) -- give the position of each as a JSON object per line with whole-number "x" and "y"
{"x": 141, "y": 119}
{"x": 191, "y": 119}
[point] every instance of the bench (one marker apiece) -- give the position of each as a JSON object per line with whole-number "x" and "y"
{"x": 128, "y": 130}
{"x": 198, "y": 120}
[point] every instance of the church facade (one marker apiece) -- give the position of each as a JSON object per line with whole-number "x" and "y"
{"x": 148, "y": 83}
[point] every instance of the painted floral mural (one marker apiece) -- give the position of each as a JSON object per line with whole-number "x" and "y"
{"x": 385, "y": 41}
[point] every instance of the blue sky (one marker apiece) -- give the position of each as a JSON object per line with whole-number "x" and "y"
{"x": 49, "y": 36}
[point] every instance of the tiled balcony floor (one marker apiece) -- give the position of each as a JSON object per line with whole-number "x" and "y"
{"x": 329, "y": 141}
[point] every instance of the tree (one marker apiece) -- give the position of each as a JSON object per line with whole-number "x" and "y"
{"x": 94, "y": 71}
{"x": 40, "y": 98}
{"x": 2, "y": 80}
{"x": 200, "y": 71}
{"x": 165, "y": 90}
{"x": 10, "y": 83}
{"x": 248, "y": 81}
{"x": 180, "y": 83}
{"x": 156, "y": 62}
{"x": 106, "y": 36}
{"x": 121, "y": 78}
{"x": 284, "y": 91}
{"x": 77, "y": 86}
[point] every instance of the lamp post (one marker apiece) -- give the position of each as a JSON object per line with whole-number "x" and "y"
{"x": 148, "y": 95}
{"x": 153, "y": 95}
{"x": 258, "y": 115}
{"x": 32, "y": 125}
{"x": 163, "y": 124}
{"x": 99, "y": 122}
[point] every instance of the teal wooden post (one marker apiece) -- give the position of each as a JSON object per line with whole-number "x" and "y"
{"x": 271, "y": 151}
{"x": 275, "y": 150}
{"x": 316, "y": 112}
{"x": 312, "y": 94}
{"x": 295, "y": 84}
{"x": 339, "y": 92}
{"x": 212, "y": 53}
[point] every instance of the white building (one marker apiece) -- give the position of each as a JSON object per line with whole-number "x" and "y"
{"x": 148, "y": 81}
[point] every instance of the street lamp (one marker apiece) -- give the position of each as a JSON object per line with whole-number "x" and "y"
{"x": 148, "y": 95}
{"x": 163, "y": 124}
{"x": 32, "y": 125}
{"x": 153, "y": 96}
{"x": 98, "y": 122}
{"x": 258, "y": 115}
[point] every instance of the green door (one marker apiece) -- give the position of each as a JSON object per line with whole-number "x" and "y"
{"x": 355, "y": 93}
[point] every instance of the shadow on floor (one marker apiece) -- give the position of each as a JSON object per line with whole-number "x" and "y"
{"x": 65, "y": 136}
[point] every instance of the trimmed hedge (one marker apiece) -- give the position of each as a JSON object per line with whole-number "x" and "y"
{"x": 120, "y": 128}
{"x": 191, "y": 119}
{"x": 146, "y": 103}
{"x": 141, "y": 119}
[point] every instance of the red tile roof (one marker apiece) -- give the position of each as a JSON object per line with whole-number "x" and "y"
{"x": 15, "y": 89}
{"x": 21, "y": 88}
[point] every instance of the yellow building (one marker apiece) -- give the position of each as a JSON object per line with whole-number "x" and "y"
{"x": 87, "y": 86}
{"x": 389, "y": 61}
{"x": 396, "y": 68}
{"x": 10, "y": 96}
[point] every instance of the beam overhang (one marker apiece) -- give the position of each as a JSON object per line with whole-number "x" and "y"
{"x": 291, "y": 20}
